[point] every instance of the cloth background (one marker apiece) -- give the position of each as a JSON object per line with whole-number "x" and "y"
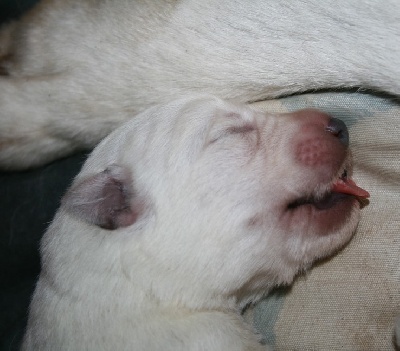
{"x": 346, "y": 303}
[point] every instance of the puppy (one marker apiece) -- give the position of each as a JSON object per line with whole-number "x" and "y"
{"x": 74, "y": 70}
{"x": 184, "y": 216}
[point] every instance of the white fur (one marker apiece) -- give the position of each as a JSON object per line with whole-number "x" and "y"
{"x": 212, "y": 235}
{"x": 78, "y": 69}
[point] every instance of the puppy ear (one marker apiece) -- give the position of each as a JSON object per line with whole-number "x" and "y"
{"x": 105, "y": 199}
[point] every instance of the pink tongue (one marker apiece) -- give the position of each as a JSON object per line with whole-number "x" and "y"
{"x": 348, "y": 186}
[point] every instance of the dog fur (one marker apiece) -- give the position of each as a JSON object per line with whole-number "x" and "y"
{"x": 181, "y": 218}
{"x": 74, "y": 70}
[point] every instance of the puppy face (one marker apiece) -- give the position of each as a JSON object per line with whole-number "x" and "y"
{"x": 217, "y": 199}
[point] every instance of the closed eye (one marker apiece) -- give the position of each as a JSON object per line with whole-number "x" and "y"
{"x": 243, "y": 129}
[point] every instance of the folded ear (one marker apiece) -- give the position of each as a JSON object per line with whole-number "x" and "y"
{"x": 105, "y": 199}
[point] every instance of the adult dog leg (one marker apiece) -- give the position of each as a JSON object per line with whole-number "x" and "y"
{"x": 44, "y": 118}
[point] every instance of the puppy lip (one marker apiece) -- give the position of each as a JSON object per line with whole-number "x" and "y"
{"x": 326, "y": 202}
{"x": 340, "y": 189}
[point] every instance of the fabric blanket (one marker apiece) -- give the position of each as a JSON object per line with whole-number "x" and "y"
{"x": 348, "y": 302}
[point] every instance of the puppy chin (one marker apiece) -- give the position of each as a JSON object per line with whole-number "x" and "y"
{"x": 327, "y": 233}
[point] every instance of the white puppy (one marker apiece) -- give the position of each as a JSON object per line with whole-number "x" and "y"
{"x": 76, "y": 69}
{"x": 182, "y": 217}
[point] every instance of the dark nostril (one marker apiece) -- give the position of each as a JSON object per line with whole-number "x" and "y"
{"x": 339, "y": 129}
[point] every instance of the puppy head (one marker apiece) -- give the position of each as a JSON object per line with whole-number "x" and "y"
{"x": 230, "y": 201}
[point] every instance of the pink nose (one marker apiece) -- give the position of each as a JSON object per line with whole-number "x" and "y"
{"x": 313, "y": 118}
{"x": 321, "y": 139}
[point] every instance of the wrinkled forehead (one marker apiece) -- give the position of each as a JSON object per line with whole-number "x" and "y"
{"x": 197, "y": 115}
{"x": 190, "y": 114}
{"x": 165, "y": 129}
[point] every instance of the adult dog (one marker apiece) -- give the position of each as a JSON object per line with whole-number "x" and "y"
{"x": 182, "y": 217}
{"x": 74, "y": 70}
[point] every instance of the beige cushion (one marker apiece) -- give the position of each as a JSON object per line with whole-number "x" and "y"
{"x": 350, "y": 301}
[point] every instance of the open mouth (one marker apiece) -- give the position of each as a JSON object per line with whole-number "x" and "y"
{"x": 342, "y": 188}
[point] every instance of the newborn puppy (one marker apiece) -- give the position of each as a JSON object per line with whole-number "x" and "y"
{"x": 182, "y": 217}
